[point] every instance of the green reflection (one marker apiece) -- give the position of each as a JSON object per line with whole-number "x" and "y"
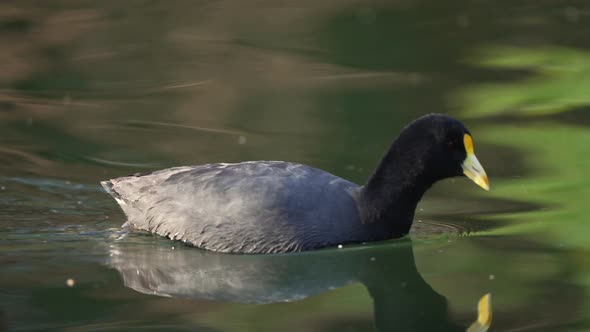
{"x": 556, "y": 153}
{"x": 557, "y": 81}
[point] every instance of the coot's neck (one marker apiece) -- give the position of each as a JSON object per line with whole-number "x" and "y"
{"x": 389, "y": 199}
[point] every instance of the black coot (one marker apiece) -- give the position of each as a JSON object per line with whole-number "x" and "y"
{"x": 276, "y": 206}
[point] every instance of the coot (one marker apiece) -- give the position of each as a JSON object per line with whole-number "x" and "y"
{"x": 277, "y": 206}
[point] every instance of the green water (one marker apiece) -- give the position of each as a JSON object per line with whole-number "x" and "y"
{"x": 92, "y": 90}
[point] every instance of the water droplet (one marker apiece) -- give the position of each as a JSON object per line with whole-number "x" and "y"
{"x": 339, "y": 246}
{"x": 492, "y": 277}
{"x": 70, "y": 282}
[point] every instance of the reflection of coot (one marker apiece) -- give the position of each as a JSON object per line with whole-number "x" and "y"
{"x": 403, "y": 301}
{"x": 275, "y": 206}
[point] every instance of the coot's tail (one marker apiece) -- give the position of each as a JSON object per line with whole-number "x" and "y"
{"x": 130, "y": 192}
{"x": 109, "y": 188}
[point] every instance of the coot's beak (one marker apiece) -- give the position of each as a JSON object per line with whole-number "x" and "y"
{"x": 471, "y": 166}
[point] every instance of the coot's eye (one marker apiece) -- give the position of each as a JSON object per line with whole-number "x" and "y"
{"x": 451, "y": 144}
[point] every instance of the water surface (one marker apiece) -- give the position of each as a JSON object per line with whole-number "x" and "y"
{"x": 92, "y": 91}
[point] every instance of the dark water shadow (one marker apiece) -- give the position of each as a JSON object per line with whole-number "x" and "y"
{"x": 402, "y": 299}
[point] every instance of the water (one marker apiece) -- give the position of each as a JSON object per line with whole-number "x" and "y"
{"x": 92, "y": 91}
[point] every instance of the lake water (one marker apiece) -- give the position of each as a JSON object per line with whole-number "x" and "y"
{"x": 94, "y": 90}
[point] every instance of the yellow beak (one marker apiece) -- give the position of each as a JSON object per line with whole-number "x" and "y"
{"x": 471, "y": 166}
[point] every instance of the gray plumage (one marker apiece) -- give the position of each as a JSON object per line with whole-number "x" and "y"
{"x": 249, "y": 207}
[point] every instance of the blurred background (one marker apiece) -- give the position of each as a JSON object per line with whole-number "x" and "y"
{"x": 95, "y": 90}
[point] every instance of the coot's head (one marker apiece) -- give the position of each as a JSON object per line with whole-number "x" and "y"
{"x": 447, "y": 146}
